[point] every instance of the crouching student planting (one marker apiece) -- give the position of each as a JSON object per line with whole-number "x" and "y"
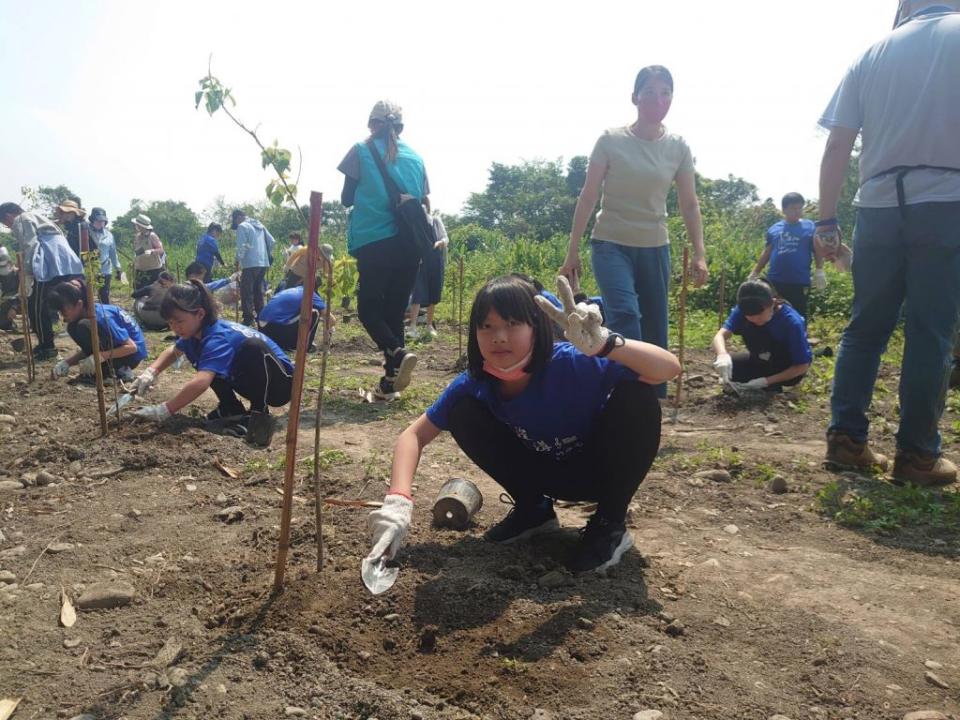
{"x": 122, "y": 345}
{"x": 575, "y": 420}
{"x": 775, "y": 334}
{"x": 230, "y": 359}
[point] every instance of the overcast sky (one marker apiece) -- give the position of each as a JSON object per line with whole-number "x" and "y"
{"x": 98, "y": 95}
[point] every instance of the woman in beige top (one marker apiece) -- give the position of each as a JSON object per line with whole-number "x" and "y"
{"x": 635, "y": 166}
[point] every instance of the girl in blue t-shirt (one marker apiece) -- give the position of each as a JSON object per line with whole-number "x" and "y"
{"x": 122, "y": 345}
{"x": 576, "y": 420}
{"x": 775, "y": 334}
{"x": 230, "y": 359}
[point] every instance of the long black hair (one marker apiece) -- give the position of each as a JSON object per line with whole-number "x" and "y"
{"x": 189, "y": 297}
{"x": 512, "y": 299}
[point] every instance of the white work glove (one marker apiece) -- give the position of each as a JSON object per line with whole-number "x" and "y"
{"x": 582, "y": 324}
{"x": 389, "y": 525}
{"x": 827, "y": 240}
{"x": 440, "y": 244}
{"x": 153, "y": 413}
{"x": 143, "y": 383}
{"x": 755, "y": 385}
{"x": 820, "y": 279}
{"x": 87, "y": 367}
{"x": 61, "y": 369}
{"x": 724, "y": 367}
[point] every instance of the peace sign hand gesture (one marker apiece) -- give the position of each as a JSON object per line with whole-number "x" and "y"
{"x": 582, "y": 324}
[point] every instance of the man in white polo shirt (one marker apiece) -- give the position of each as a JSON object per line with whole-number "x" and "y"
{"x": 903, "y": 96}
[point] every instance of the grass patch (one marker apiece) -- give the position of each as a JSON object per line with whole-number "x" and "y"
{"x": 886, "y": 508}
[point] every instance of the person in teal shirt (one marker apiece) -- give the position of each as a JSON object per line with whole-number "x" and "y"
{"x": 386, "y": 261}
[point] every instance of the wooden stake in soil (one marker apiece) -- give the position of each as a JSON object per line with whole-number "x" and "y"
{"x": 94, "y": 329}
{"x": 722, "y": 311}
{"x": 293, "y": 417}
{"x": 460, "y": 315}
{"x": 318, "y": 508}
{"x": 681, "y": 330}
{"x": 24, "y": 322}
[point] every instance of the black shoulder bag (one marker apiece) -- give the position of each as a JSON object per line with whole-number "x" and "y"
{"x": 414, "y": 225}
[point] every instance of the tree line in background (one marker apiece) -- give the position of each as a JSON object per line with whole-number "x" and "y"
{"x": 519, "y": 222}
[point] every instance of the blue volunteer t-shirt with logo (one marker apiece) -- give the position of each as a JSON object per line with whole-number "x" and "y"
{"x": 786, "y": 328}
{"x": 121, "y": 327}
{"x": 284, "y": 307}
{"x": 792, "y": 245}
{"x": 216, "y": 349}
{"x": 555, "y": 412}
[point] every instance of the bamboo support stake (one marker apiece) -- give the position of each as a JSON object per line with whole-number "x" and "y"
{"x": 94, "y": 328}
{"x": 721, "y": 312}
{"x": 460, "y": 314}
{"x": 293, "y": 417}
{"x": 24, "y": 322}
{"x": 318, "y": 510}
{"x": 682, "y": 329}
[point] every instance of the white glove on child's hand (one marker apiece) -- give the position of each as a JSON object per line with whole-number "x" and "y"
{"x": 87, "y": 366}
{"x": 61, "y": 369}
{"x": 153, "y": 413}
{"x": 724, "y": 367}
{"x": 820, "y": 279}
{"x": 389, "y": 525}
{"x": 582, "y": 324}
{"x": 755, "y": 385}
{"x": 143, "y": 383}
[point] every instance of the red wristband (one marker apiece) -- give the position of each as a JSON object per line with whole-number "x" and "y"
{"x": 401, "y": 494}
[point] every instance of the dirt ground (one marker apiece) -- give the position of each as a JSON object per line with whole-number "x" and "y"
{"x": 735, "y": 603}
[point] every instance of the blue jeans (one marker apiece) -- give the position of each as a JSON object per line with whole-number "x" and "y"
{"x": 635, "y": 284}
{"x": 913, "y": 261}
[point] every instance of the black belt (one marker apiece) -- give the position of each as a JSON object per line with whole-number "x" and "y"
{"x": 901, "y": 172}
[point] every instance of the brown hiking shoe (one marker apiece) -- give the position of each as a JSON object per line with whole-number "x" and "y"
{"x": 844, "y": 452}
{"x": 923, "y": 470}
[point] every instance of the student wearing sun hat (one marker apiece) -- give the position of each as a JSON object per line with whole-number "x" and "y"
{"x": 109, "y": 262}
{"x": 149, "y": 258}
{"x": 70, "y": 216}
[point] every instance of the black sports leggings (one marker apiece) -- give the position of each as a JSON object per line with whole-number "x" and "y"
{"x": 388, "y": 271}
{"x": 258, "y": 376}
{"x": 608, "y": 469}
{"x": 79, "y": 331}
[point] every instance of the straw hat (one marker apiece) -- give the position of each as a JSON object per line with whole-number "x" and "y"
{"x": 143, "y": 222}
{"x": 71, "y": 206}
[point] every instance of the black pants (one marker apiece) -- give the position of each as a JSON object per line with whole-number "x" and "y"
{"x": 387, "y": 272}
{"x": 251, "y": 293}
{"x": 40, "y": 318}
{"x": 258, "y": 376}
{"x": 764, "y": 357}
{"x": 79, "y": 331}
{"x": 286, "y": 335}
{"x": 609, "y": 468}
{"x": 105, "y": 289}
{"x": 795, "y": 294}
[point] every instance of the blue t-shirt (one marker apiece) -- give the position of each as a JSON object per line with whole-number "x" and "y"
{"x": 555, "y": 412}
{"x": 217, "y": 347}
{"x": 121, "y": 327}
{"x": 786, "y": 328}
{"x": 207, "y": 251}
{"x": 217, "y": 284}
{"x": 792, "y": 245}
{"x": 284, "y": 307}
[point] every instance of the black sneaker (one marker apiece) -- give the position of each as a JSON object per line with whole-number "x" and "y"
{"x": 41, "y": 354}
{"x": 399, "y": 369}
{"x": 260, "y": 429}
{"x": 221, "y": 413}
{"x": 601, "y": 545}
{"x": 523, "y": 521}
